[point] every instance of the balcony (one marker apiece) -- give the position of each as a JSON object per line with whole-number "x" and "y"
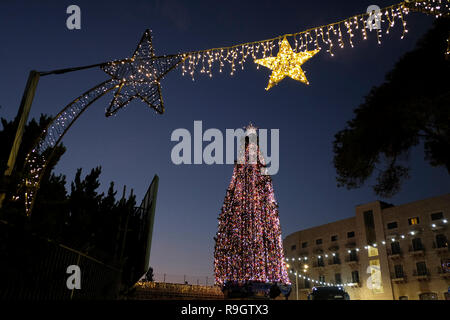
{"x": 394, "y": 255}
{"x": 441, "y": 248}
{"x": 417, "y": 251}
{"x": 356, "y": 284}
{"x": 319, "y": 266}
{"x": 398, "y": 277}
{"x": 352, "y": 261}
{"x": 423, "y": 275}
{"x": 442, "y": 273}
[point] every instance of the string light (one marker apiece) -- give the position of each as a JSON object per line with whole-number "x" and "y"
{"x": 140, "y": 76}
{"x": 248, "y": 244}
{"x": 286, "y": 63}
{"x": 325, "y": 35}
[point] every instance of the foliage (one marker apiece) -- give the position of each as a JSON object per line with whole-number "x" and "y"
{"x": 409, "y": 108}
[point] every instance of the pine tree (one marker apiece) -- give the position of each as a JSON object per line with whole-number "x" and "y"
{"x": 248, "y": 242}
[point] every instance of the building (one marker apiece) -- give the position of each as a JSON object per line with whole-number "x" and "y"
{"x": 384, "y": 252}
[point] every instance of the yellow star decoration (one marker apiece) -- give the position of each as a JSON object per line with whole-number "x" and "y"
{"x": 286, "y": 63}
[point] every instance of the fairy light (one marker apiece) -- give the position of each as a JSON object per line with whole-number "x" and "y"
{"x": 241, "y": 253}
{"x": 286, "y": 64}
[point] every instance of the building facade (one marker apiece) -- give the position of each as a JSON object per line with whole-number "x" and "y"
{"x": 384, "y": 252}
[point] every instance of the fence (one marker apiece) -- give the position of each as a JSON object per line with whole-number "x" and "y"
{"x": 184, "y": 279}
{"x": 34, "y": 268}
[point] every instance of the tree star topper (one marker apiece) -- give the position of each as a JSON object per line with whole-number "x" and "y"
{"x": 140, "y": 76}
{"x": 286, "y": 63}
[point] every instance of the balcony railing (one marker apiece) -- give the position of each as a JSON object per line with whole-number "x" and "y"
{"x": 421, "y": 274}
{"x": 394, "y": 253}
{"x": 318, "y": 264}
{"x": 398, "y": 277}
{"x": 441, "y": 246}
{"x": 351, "y": 259}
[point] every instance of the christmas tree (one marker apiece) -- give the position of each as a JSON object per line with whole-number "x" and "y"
{"x": 249, "y": 246}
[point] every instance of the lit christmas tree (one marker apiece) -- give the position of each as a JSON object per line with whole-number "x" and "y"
{"x": 249, "y": 246}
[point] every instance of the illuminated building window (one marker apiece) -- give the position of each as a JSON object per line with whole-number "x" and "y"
{"x": 413, "y": 221}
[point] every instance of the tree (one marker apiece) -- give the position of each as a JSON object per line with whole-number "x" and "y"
{"x": 248, "y": 245}
{"x": 410, "y": 107}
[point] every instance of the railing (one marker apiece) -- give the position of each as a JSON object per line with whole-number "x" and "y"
{"x": 421, "y": 273}
{"x": 398, "y": 275}
{"x": 318, "y": 264}
{"x": 34, "y": 268}
{"x": 416, "y": 248}
{"x": 334, "y": 261}
{"x": 440, "y": 246}
{"x": 352, "y": 259}
{"x": 207, "y": 280}
{"x": 391, "y": 252}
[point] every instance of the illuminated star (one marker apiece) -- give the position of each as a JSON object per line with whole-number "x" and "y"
{"x": 140, "y": 76}
{"x": 286, "y": 63}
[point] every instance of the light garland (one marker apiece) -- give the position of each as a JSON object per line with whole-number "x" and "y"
{"x": 140, "y": 75}
{"x": 286, "y": 63}
{"x": 249, "y": 247}
{"x": 382, "y": 243}
{"x": 204, "y": 61}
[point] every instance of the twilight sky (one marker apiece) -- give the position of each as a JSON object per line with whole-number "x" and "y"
{"x": 135, "y": 144}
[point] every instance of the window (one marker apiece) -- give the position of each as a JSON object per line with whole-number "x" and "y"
{"x": 304, "y": 244}
{"x": 353, "y": 256}
{"x": 293, "y": 247}
{"x": 417, "y": 244}
{"x": 392, "y": 225}
{"x": 334, "y": 238}
{"x": 421, "y": 268}
{"x": 441, "y": 241}
{"x": 320, "y": 262}
{"x": 369, "y": 224}
{"x": 322, "y": 278}
{"x": 428, "y": 296}
{"x": 395, "y": 247}
{"x": 307, "y": 284}
{"x": 355, "y": 277}
{"x": 437, "y": 216}
{"x": 337, "y": 278}
{"x": 319, "y": 241}
{"x": 336, "y": 259}
{"x": 350, "y": 234}
{"x": 398, "y": 271}
{"x": 413, "y": 221}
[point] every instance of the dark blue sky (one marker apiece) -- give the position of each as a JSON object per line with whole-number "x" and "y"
{"x": 135, "y": 144}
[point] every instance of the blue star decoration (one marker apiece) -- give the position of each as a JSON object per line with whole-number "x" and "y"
{"x": 140, "y": 76}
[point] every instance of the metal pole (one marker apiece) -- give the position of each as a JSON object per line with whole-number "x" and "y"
{"x": 296, "y": 284}
{"x": 21, "y": 119}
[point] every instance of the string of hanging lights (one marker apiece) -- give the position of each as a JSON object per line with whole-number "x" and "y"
{"x": 393, "y": 238}
{"x": 140, "y": 76}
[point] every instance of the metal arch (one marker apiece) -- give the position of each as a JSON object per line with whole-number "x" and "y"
{"x": 43, "y": 149}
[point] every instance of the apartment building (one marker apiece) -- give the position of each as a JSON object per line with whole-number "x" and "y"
{"x": 384, "y": 252}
